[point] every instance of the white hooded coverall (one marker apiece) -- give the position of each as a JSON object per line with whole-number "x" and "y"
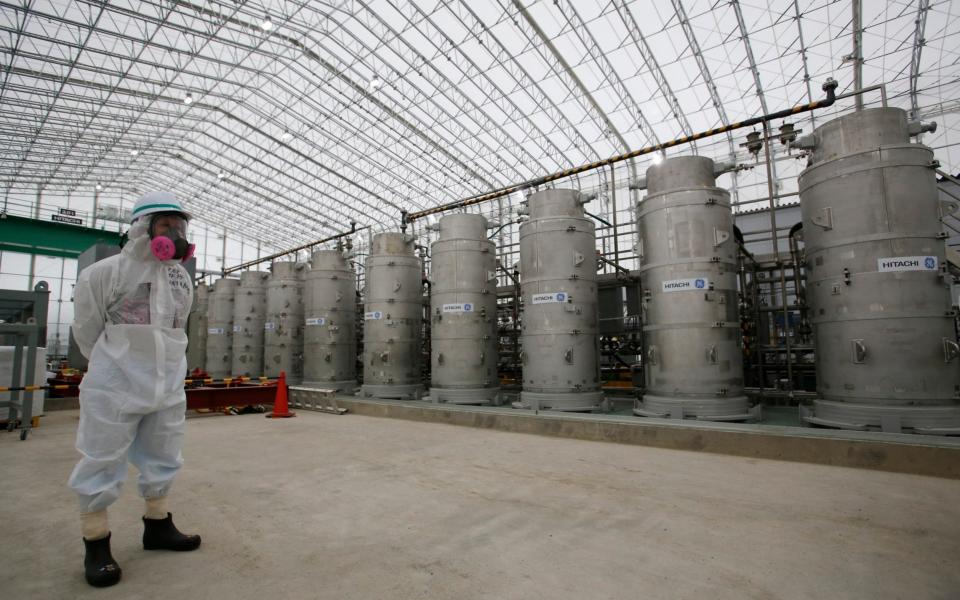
{"x": 130, "y": 314}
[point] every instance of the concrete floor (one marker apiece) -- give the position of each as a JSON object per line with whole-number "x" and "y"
{"x": 357, "y": 507}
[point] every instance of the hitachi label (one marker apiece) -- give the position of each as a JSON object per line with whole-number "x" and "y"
{"x": 458, "y": 308}
{"x": 316, "y": 321}
{"x": 373, "y": 316}
{"x": 550, "y": 297}
{"x": 686, "y": 285}
{"x": 238, "y": 328}
{"x": 215, "y": 331}
{"x": 907, "y": 263}
{"x": 269, "y": 326}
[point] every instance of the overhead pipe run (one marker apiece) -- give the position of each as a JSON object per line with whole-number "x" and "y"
{"x": 829, "y": 87}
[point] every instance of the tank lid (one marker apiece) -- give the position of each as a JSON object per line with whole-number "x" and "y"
{"x": 286, "y": 268}
{"x": 681, "y": 172}
{"x": 253, "y": 278}
{"x": 225, "y": 283}
{"x": 463, "y": 226}
{"x": 556, "y": 203}
{"x": 328, "y": 259}
{"x": 860, "y": 131}
{"x": 392, "y": 242}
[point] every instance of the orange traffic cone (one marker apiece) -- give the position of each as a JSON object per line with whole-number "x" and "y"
{"x": 280, "y": 408}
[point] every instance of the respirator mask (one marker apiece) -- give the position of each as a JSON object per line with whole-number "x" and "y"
{"x": 168, "y": 237}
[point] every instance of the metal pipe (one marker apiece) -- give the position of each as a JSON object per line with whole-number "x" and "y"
{"x": 797, "y": 288}
{"x": 515, "y": 310}
{"x": 613, "y": 205}
{"x": 858, "y": 50}
{"x": 613, "y": 264}
{"x": 247, "y": 265}
{"x": 776, "y": 256}
{"x": 859, "y": 92}
{"x": 829, "y": 87}
{"x": 599, "y": 218}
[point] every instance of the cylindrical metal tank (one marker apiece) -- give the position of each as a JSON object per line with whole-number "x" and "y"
{"x": 197, "y": 329}
{"x": 392, "y": 323}
{"x": 330, "y": 312}
{"x": 220, "y": 328}
{"x": 877, "y": 284}
{"x": 463, "y": 313}
{"x": 559, "y": 333}
{"x": 283, "y": 329}
{"x": 688, "y": 272}
{"x": 249, "y": 316}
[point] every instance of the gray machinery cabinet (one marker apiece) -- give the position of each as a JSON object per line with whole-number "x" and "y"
{"x": 393, "y": 315}
{"x": 283, "y": 329}
{"x": 330, "y": 310}
{"x": 688, "y": 270}
{"x": 197, "y": 329}
{"x": 558, "y": 269}
{"x": 23, "y": 328}
{"x": 220, "y": 327}
{"x": 878, "y": 290}
{"x": 463, "y": 313}
{"x": 249, "y": 316}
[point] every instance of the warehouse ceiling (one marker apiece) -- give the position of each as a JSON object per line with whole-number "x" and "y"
{"x": 303, "y": 116}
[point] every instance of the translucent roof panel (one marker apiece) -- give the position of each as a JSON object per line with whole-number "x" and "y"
{"x": 287, "y": 120}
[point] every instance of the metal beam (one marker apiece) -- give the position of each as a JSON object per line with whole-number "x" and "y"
{"x": 50, "y": 238}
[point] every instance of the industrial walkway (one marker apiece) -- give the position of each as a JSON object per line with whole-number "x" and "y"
{"x": 363, "y": 508}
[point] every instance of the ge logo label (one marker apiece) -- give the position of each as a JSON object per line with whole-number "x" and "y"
{"x": 377, "y": 315}
{"x": 930, "y": 263}
{"x": 700, "y": 284}
{"x": 467, "y": 307}
{"x": 561, "y": 297}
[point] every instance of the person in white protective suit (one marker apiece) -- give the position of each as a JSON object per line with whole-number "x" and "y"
{"x": 130, "y": 313}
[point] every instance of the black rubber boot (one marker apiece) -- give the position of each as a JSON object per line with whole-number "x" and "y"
{"x": 99, "y": 567}
{"x": 162, "y": 534}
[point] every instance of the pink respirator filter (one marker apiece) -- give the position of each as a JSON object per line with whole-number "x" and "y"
{"x": 163, "y": 247}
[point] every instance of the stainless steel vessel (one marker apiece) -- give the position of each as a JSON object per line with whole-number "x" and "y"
{"x": 330, "y": 311}
{"x": 249, "y": 315}
{"x": 688, "y": 265}
{"x": 197, "y": 329}
{"x": 879, "y": 294}
{"x": 393, "y": 314}
{"x": 283, "y": 328}
{"x": 463, "y": 313}
{"x": 558, "y": 268}
{"x": 220, "y": 328}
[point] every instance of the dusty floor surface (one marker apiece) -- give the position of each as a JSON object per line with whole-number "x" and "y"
{"x": 357, "y": 507}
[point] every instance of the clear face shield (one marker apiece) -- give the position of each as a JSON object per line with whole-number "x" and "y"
{"x": 168, "y": 237}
